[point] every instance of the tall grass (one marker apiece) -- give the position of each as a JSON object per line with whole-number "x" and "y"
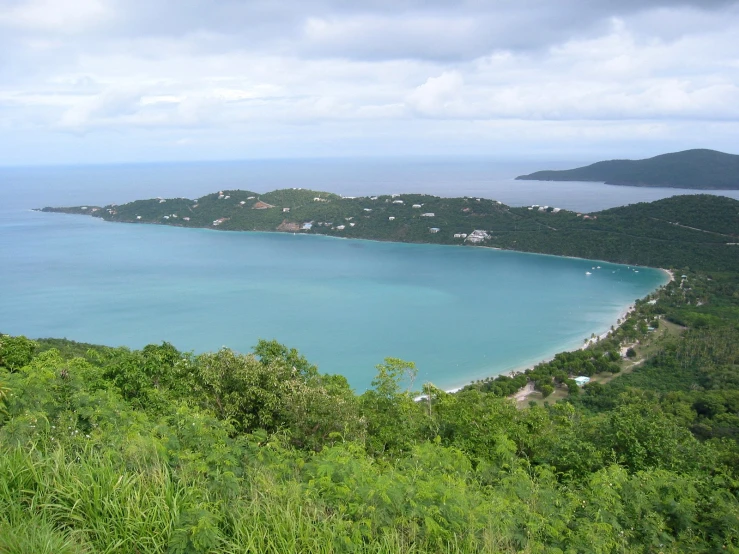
{"x": 59, "y": 502}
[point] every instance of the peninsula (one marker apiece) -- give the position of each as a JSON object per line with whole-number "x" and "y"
{"x": 690, "y": 169}
{"x": 673, "y": 232}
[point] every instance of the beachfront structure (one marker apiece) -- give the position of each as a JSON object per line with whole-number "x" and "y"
{"x": 460, "y": 235}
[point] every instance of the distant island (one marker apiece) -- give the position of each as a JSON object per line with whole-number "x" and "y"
{"x": 680, "y": 231}
{"x": 691, "y": 169}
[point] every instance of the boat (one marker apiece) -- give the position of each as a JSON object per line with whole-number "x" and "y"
{"x": 588, "y": 273}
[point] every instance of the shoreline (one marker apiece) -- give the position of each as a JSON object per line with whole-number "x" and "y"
{"x": 530, "y": 365}
{"x": 381, "y": 241}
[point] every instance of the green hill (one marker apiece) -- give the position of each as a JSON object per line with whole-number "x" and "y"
{"x": 693, "y": 169}
{"x": 694, "y": 231}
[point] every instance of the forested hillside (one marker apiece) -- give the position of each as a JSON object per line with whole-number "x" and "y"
{"x": 690, "y": 169}
{"x": 696, "y": 231}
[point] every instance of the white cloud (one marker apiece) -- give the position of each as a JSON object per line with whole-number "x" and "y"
{"x": 388, "y": 77}
{"x": 65, "y": 16}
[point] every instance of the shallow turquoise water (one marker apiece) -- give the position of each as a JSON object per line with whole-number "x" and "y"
{"x": 459, "y": 313}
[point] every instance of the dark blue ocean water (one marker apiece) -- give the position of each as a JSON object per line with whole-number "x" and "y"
{"x": 459, "y": 313}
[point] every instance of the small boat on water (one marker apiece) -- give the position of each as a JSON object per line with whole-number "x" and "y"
{"x": 588, "y": 273}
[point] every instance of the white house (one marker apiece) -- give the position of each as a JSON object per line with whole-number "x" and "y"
{"x": 581, "y": 380}
{"x": 429, "y": 214}
{"x": 340, "y": 227}
{"x": 391, "y": 218}
{"x": 417, "y": 205}
{"x": 434, "y": 229}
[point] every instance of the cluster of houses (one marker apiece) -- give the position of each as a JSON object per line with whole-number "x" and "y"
{"x": 217, "y": 222}
{"x": 544, "y": 208}
{"x": 477, "y": 236}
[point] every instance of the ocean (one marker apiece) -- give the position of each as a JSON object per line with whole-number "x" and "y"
{"x": 460, "y": 313}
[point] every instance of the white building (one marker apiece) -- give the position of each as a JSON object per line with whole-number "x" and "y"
{"x": 434, "y": 229}
{"x": 428, "y": 214}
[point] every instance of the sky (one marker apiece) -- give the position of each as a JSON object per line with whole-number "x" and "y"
{"x": 99, "y": 81}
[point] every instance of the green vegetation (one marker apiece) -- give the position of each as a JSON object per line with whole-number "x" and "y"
{"x": 691, "y": 169}
{"x": 157, "y": 450}
{"x": 683, "y": 231}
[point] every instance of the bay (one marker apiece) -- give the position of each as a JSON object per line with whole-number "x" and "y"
{"x": 460, "y": 313}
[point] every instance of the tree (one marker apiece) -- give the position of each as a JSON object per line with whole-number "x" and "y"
{"x": 15, "y": 352}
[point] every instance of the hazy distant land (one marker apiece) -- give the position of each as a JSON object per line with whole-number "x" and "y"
{"x": 690, "y": 169}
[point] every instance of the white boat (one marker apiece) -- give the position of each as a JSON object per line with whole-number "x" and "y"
{"x": 588, "y": 273}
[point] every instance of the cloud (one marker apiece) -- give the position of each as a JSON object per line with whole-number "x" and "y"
{"x": 69, "y": 16}
{"x": 380, "y": 75}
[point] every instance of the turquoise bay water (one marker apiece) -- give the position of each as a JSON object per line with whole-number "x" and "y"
{"x": 459, "y": 313}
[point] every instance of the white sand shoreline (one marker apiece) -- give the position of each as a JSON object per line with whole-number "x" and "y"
{"x": 623, "y": 315}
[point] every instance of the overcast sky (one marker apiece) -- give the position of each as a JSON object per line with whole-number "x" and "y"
{"x": 151, "y": 80}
